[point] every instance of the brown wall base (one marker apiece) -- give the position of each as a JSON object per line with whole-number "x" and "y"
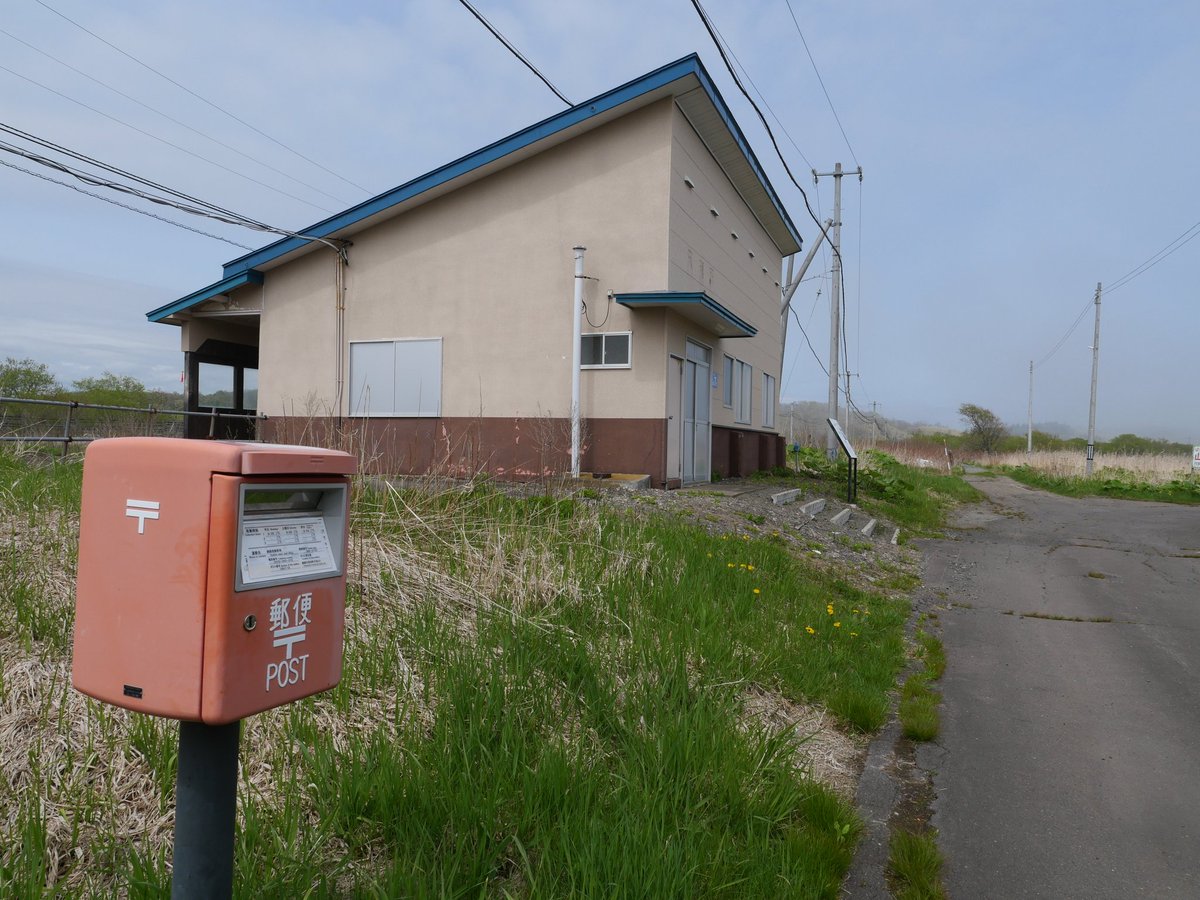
{"x": 737, "y": 453}
{"x": 523, "y": 449}
{"x": 520, "y": 449}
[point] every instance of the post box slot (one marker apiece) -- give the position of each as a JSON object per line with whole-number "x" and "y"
{"x": 289, "y": 533}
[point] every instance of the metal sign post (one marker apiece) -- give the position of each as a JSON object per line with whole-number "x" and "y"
{"x": 851, "y": 460}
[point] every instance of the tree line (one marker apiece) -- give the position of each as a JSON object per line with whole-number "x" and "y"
{"x": 29, "y": 379}
{"x": 986, "y": 432}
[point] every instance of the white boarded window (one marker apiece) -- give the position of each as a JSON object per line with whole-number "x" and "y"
{"x": 609, "y": 350}
{"x": 743, "y": 386}
{"x": 727, "y": 378}
{"x": 768, "y": 400}
{"x": 396, "y": 378}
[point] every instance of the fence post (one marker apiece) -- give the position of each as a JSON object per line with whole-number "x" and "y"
{"x": 67, "y": 429}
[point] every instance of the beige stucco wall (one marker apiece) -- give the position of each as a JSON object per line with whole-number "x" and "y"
{"x": 705, "y": 257}
{"x": 489, "y": 269}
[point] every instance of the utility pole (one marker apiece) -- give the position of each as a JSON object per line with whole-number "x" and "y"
{"x": 835, "y": 303}
{"x": 1029, "y": 431}
{"x": 874, "y": 418}
{"x": 1091, "y": 444}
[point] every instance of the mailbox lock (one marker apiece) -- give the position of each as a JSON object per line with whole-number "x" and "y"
{"x": 249, "y": 622}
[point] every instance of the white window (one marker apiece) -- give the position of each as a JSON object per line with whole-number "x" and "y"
{"x": 609, "y": 350}
{"x": 768, "y": 400}
{"x": 727, "y": 378}
{"x": 396, "y": 378}
{"x": 743, "y": 385}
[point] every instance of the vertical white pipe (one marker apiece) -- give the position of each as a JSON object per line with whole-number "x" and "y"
{"x": 576, "y": 340}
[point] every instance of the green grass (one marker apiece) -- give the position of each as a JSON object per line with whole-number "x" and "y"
{"x": 916, "y": 499}
{"x": 920, "y": 719}
{"x": 1054, "y": 617}
{"x": 915, "y": 864}
{"x": 540, "y": 698}
{"x": 1115, "y": 483}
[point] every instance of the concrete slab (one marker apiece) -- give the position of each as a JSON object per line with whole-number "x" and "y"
{"x": 840, "y": 519}
{"x": 785, "y": 497}
{"x": 812, "y": 507}
{"x": 869, "y": 528}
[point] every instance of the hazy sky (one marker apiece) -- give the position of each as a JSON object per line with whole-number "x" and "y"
{"x": 1015, "y": 154}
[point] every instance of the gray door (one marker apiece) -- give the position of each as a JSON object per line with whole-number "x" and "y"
{"x": 674, "y": 415}
{"x": 697, "y": 425}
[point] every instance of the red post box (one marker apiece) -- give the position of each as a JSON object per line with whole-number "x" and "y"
{"x": 212, "y": 575}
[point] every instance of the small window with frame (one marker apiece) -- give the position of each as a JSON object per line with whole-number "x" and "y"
{"x": 606, "y": 350}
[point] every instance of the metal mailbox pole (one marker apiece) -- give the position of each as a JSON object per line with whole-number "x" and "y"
{"x": 205, "y": 811}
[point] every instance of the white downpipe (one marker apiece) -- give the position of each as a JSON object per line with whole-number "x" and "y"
{"x": 576, "y": 340}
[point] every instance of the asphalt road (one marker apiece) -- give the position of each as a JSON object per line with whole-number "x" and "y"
{"x": 1069, "y": 760}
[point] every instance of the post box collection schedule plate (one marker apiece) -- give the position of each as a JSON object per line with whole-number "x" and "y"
{"x": 283, "y": 548}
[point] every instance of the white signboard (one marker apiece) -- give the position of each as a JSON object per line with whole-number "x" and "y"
{"x": 842, "y": 439}
{"x": 273, "y": 548}
{"x": 1196, "y": 457}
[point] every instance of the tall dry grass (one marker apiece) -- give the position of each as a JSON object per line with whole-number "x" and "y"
{"x": 1152, "y": 468}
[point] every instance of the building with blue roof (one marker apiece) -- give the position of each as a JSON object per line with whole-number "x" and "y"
{"x": 434, "y": 322}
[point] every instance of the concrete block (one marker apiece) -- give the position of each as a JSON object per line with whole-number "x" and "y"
{"x": 784, "y": 497}
{"x": 869, "y": 528}
{"x": 841, "y": 518}
{"x": 812, "y": 507}
{"x": 896, "y": 536}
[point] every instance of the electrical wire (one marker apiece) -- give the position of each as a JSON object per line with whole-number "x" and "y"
{"x": 1188, "y": 236}
{"x": 211, "y": 212}
{"x": 511, "y": 49}
{"x": 170, "y": 118}
{"x": 762, "y": 97}
{"x": 1083, "y": 312}
{"x": 810, "y": 346}
{"x": 143, "y": 212}
{"x": 205, "y": 100}
{"x": 162, "y": 140}
{"x": 836, "y": 118}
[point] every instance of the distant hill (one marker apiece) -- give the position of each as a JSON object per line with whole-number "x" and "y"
{"x": 805, "y": 420}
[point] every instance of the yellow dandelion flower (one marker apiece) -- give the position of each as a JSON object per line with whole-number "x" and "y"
{"x": 810, "y": 629}
{"x": 741, "y": 565}
{"x": 710, "y": 556}
{"x": 749, "y": 568}
{"x": 837, "y": 624}
{"x": 854, "y": 634}
{"x": 729, "y": 565}
{"x": 757, "y": 591}
{"x": 853, "y": 610}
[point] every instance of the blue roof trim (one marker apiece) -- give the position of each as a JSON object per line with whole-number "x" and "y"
{"x": 681, "y": 68}
{"x": 673, "y": 298}
{"x": 224, "y": 286}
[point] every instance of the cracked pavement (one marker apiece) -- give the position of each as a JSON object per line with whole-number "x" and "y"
{"x": 1069, "y": 759}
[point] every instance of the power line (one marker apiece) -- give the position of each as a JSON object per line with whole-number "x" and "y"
{"x": 162, "y": 140}
{"x": 511, "y": 49}
{"x": 1083, "y": 312}
{"x": 143, "y": 212}
{"x": 762, "y": 97}
{"x": 122, "y": 173}
{"x": 836, "y": 118}
{"x": 211, "y": 211}
{"x": 1189, "y": 235}
{"x": 169, "y": 117}
{"x": 205, "y": 100}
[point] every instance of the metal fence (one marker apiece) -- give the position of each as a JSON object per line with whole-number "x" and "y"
{"x": 66, "y": 422}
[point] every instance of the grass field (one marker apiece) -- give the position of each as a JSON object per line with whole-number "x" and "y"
{"x": 541, "y": 698}
{"x": 1121, "y": 476}
{"x": 1147, "y": 468}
